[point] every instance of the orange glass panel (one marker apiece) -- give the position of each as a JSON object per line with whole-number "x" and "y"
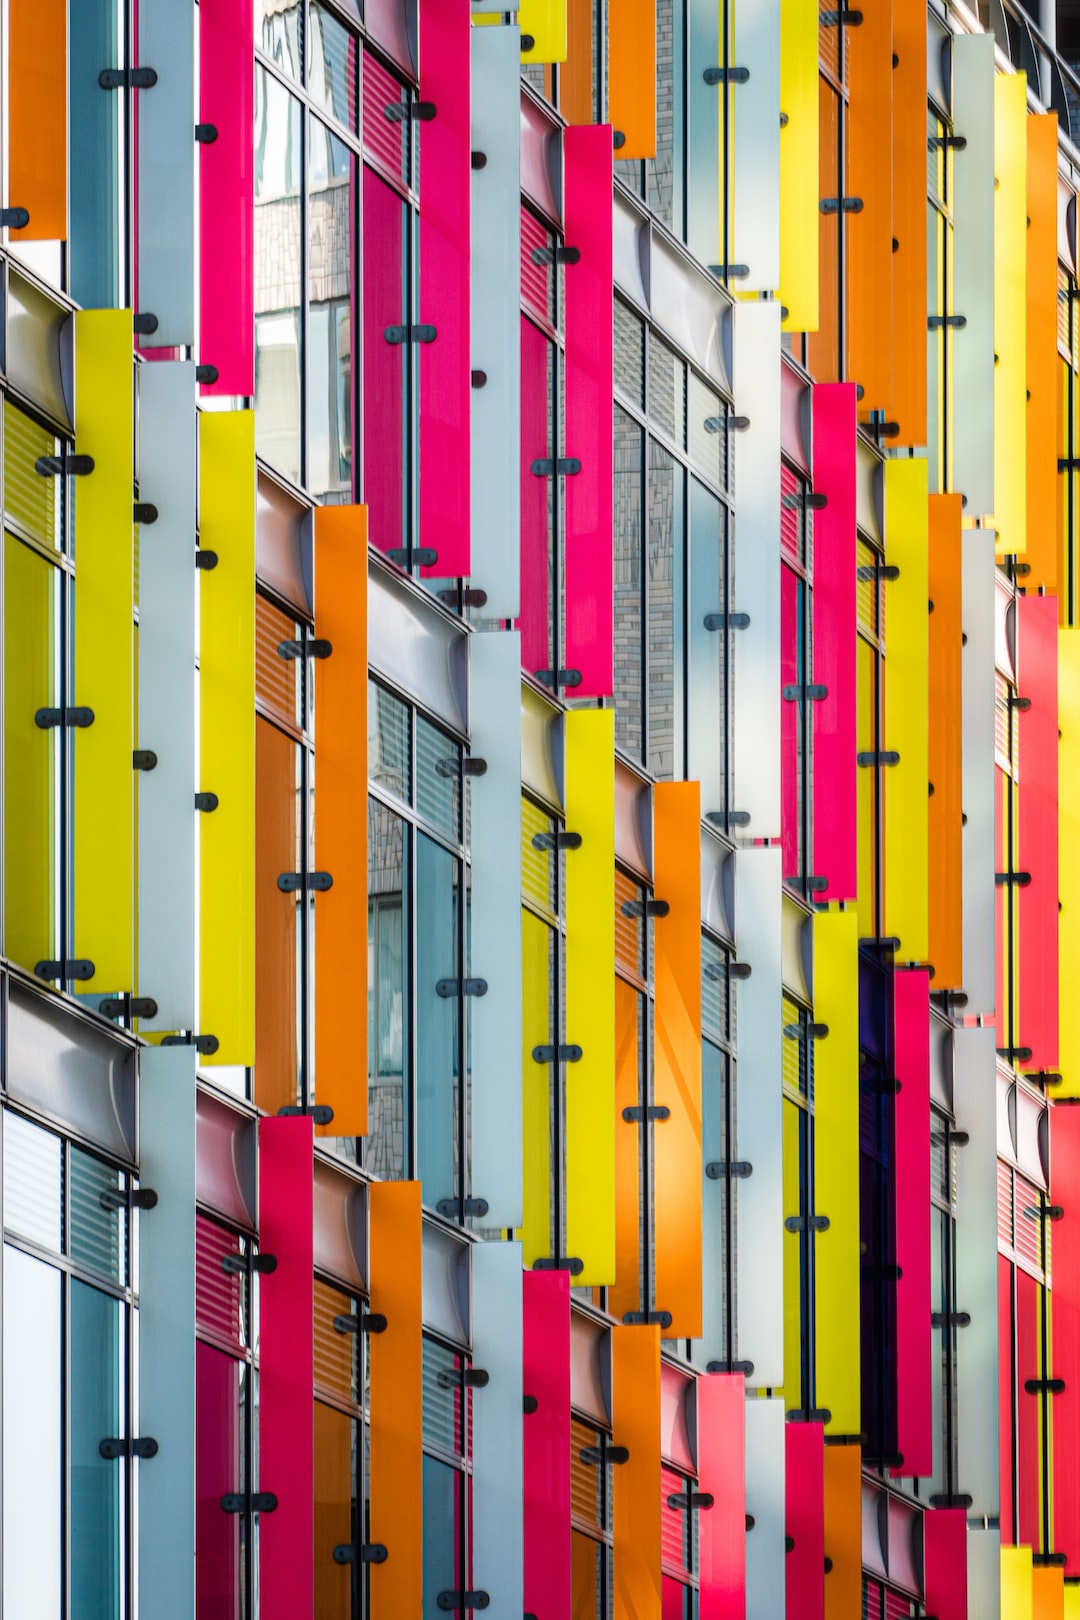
{"x": 843, "y": 1531}
{"x": 945, "y": 809}
{"x": 626, "y": 1293}
{"x": 635, "y": 1399}
{"x": 576, "y": 73}
{"x": 396, "y": 1434}
{"x": 275, "y": 918}
{"x": 632, "y": 76}
{"x": 1042, "y": 311}
{"x": 37, "y": 117}
{"x": 333, "y": 1511}
{"x": 824, "y": 344}
{"x": 341, "y": 813}
{"x": 1047, "y": 1584}
{"x": 677, "y": 1055}
{"x": 868, "y": 234}
{"x": 909, "y": 221}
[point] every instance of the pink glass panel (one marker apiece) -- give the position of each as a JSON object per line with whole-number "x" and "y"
{"x": 721, "y": 1425}
{"x": 911, "y": 1066}
{"x": 789, "y": 722}
{"x": 384, "y": 363}
{"x": 286, "y": 1368}
{"x": 445, "y": 169}
{"x": 226, "y": 196}
{"x": 945, "y": 1563}
{"x": 804, "y": 1488}
{"x": 546, "y": 1459}
{"x": 1037, "y": 633}
{"x": 672, "y": 1599}
{"x": 833, "y": 410}
{"x": 217, "y": 1472}
{"x": 535, "y": 496}
{"x": 1065, "y": 1331}
{"x": 589, "y": 433}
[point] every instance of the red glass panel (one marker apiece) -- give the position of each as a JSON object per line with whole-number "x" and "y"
{"x": 911, "y": 1059}
{"x": 1027, "y": 1366}
{"x": 1037, "y": 641}
{"x": 945, "y": 1562}
{"x": 536, "y": 496}
{"x": 384, "y": 305}
{"x": 804, "y": 1456}
{"x": 721, "y": 1421}
{"x": 217, "y": 1471}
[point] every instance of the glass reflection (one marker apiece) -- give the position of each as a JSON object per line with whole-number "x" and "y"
{"x": 331, "y": 211}
{"x": 387, "y": 1141}
{"x": 332, "y": 65}
{"x": 277, "y": 275}
{"x": 437, "y": 1078}
{"x": 279, "y": 28}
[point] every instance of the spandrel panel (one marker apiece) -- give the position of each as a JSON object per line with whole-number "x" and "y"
{"x": 972, "y": 352}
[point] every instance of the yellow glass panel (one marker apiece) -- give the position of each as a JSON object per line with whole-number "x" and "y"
{"x": 907, "y": 676}
{"x": 1016, "y": 1594}
{"x": 227, "y": 734}
{"x": 544, "y": 21}
{"x": 104, "y": 830}
{"x": 590, "y": 992}
{"x": 1072, "y": 1603}
{"x": 536, "y": 1019}
{"x": 1010, "y": 311}
{"x": 793, "y": 1391}
{"x": 29, "y": 755}
{"x": 30, "y": 501}
{"x": 866, "y": 657}
{"x": 836, "y": 1167}
{"x": 799, "y": 165}
{"x": 1068, "y": 862}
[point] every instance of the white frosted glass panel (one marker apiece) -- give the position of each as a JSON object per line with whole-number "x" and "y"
{"x": 973, "y": 269}
{"x": 706, "y": 654}
{"x": 765, "y": 1545}
{"x": 496, "y": 316}
{"x": 33, "y": 1460}
{"x": 759, "y": 1219}
{"x": 756, "y": 729}
{"x": 978, "y": 773}
{"x": 756, "y": 153}
{"x": 703, "y": 134}
{"x": 167, "y": 173}
{"x": 167, "y": 694}
{"x": 976, "y": 1273}
{"x": 497, "y": 1436}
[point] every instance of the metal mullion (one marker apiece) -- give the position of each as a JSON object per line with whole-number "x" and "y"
{"x": 645, "y": 1147}
{"x": 62, "y": 671}
{"x": 405, "y": 813}
{"x": 411, "y": 315}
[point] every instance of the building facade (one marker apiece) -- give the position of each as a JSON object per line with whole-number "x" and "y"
{"x": 589, "y": 495}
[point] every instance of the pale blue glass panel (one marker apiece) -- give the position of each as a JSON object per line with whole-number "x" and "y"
{"x": 386, "y": 1146}
{"x": 437, "y": 1071}
{"x": 759, "y": 1210}
{"x": 32, "y": 1182}
{"x": 765, "y": 1553}
{"x": 97, "y": 1483}
{"x": 715, "y": 1235}
{"x": 495, "y": 924}
{"x": 496, "y": 314}
{"x": 972, "y": 416}
{"x": 94, "y": 147}
{"x": 756, "y": 727}
{"x": 167, "y": 694}
{"x": 977, "y": 1271}
{"x": 167, "y": 1327}
{"x": 33, "y": 1456}
{"x": 498, "y": 1529}
{"x": 703, "y": 135}
{"x": 167, "y": 173}
{"x": 706, "y": 649}
{"x": 977, "y": 757}
{"x": 756, "y": 146}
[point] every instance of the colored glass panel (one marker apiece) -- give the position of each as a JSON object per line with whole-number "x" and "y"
{"x": 1042, "y": 310}
{"x": 804, "y": 1479}
{"x": 635, "y": 1401}
{"x": 546, "y": 1377}
{"x": 1068, "y": 849}
{"x": 834, "y": 716}
{"x": 843, "y": 1545}
{"x": 1065, "y": 1333}
{"x": 30, "y": 758}
{"x": 721, "y": 1448}
{"x": 394, "y": 1245}
{"x": 37, "y": 117}
{"x": 906, "y": 699}
{"x": 227, "y": 197}
{"x": 632, "y": 77}
{"x": 544, "y": 23}
{"x": 625, "y": 1294}
{"x": 1037, "y": 792}
{"x": 868, "y": 233}
{"x": 945, "y": 811}
{"x": 385, "y": 305}
{"x": 911, "y": 1170}
{"x": 909, "y": 282}
{"x": 1010, "y": 328}
{"x": 945, "y": 1562}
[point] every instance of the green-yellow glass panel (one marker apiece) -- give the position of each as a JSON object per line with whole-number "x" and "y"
{"x": 227, "y": 734}
{"x": 1017, "y": 1601}
{"x": 906, "y": 709}
{"x": 536, "y": 1025}
{"x": 836, "y": 1167}
{"x": 1010, "y": 305}
{"x": 542, "y": 21}
{"x": 104, "y": 798}
{"x": 590, "y": 993}
{"x": 29, "y": 755}
{"x": 793, "y": 1391}
{"x": 30, "y": 501}
{"x": 866, "y": 788}
{"x": 799, "y": 165}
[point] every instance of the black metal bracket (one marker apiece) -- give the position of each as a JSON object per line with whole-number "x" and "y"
{"x": 144, "y": 759}
{"x": 144, "y": 322}
{"x": 373, "y": 1322}
{"x": 644, "y": 1318}
{"x": 16, "y": 219}
{"x": 871, "y": 571}
{"x": 638, "y": 1116}
{"x": 206, "y": 802}
{"x": 206, "y": 1044}
{"x": 560, "y": 1262}
{"x": 645, "y": 908}
{"x": 556, "y": 466}
{"x": 206, "y": 135}
{"x": 806, "y": 1223}
{"x": 717, "y": 424}
{"x": 1012, "y": 1054}
{"x": 1021, "y": 703}
{"x": 810, "y": 1414}
{"x": 78, "y": 968}
{"x": 205, "y": 559}
{"x": 462, "y": 1378}
{"x": 410, "y": 334}
{"x": 556, "y": 1054}
{"x": 321, "y": 1113}
{"x": 460, "y": 599}
{"x": 139, "y": 78}
{"x": 144, "y": 512}
{"x": 133, "y": 1198}
{"x": 1068, "y": 463}
{"x": 740, "y": 970}
{"x": 726, "y": 621}
{"x": 234, "y": 1264}
{"x": 556, "y": 255}
{"x": 305, "y": 649}
{"x": 44, "y": 719}
{"x": 744, "y": 1367}
{"x": 448, "y": 988}
{"x": 943, "y": 143}
{"x": 833, "y": 19}
{"x": 468, "y": 765}
{"x": 1020, "y": 879}
{"x": 449, "y": 1207}
{"x": 1044, "y": 1386}
{"x": 726, "y": 75}
{"x": 54, "y": 466}
{"x": 814, "y": 693}
{"x": 206, "y": 375}
{"x": 723, "y": 1169}
{"x": 556, "y": 840}
{"x": 948, "y": 1500}
{"x": 841, "y": 205}
{"x": 293, "y": 882}
{"x": 729, "y": 272}
{"x": 413, "y": 556}
{"x": 1052, "y": 1212}
{"x": 878, "y": 756}
{"x": 950, "y": 1319}
{"x": 462, "y": 1600}
{"x": 686, "y": 1501}
{"x": 559, "y": 677}
{"x": 812, "y": 1032}
{"x": 128, "y": 1006}
{"x": 142, "y": 1447}
{"x": 604, "y": 1454}
{"x": 422, "y": 111}
{"x": 368, "y": 1552}
{"x": 244, "y": 1502}
{"x": 803, "y": 500}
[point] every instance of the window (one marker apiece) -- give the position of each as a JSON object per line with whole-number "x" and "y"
{"x": 341, "y": 1497}
{"x": 797, "y": 1058}
{"x": 447, "y": 1472}
{"x": 678, "y": 1545}
{"x": 306, "y": 210}
{"x": 943, "y": 1295}
{"x": 719, "y": 1198}
{"x": 418, "y": 951}
{"x": 672, "y": 565}
{"x": 69, "y": 1329}
{"x": 543, "y": 941}
{"x": 590, "y": 1521}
